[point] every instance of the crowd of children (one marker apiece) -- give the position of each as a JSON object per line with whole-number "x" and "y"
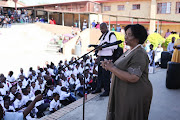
{"x": 67, "y": 82}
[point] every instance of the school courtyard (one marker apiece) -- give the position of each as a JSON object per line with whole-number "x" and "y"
{"x": 165, "y": 103}
{"x": 26, "y": 46}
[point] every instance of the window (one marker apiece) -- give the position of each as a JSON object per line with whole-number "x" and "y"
{"x": 120, "y": 7}
{"x": 136, "y": 7}
{"x": 164, "y": 8}
{"x": 178, "y": 7}
{"x": 107, "y": 8}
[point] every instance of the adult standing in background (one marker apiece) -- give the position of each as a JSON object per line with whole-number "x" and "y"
{"x": 84, "y": 25}
{"x": 93, "y": 24}
{"x": 176, "y": 53}
{"x": 158, "y": 52}
{"x": 105, "y": 53}
{"x": 118, "y": 28}
{"x": 131, "y": 91}
{"x": 167, "y": 33}
{"x": 170, "y": 47}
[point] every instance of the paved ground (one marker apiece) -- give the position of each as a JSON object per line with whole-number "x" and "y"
{"x": 165, "y": 103}
{"x": 25, "y": 46}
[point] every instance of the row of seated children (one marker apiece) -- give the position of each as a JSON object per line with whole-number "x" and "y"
{"x": 23, "y": 90}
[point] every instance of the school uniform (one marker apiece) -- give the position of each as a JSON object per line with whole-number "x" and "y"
{"x": 7, "y": 86}
{"x": 11, "y": 96}
{"x": 75, "y": 71}
{"x": 24, "y": 83}
{"x": 65, "y": 83}
{"x": 3, "y": 92}
{"x": 11, "y": 79}
{"x": 58, "y": 89}
{"x": 54, "y": 105}
{"x": 31, "y": 80}
{"x": 41, "y": 106}
{"x": 50, "y": 93}
{"x": 25, "y": 99}
{"x": 21, "y": 74}
{"x": 18, "y": 103}
{"x": 80, "y": 69}
{"x": 72, "y": 84}
{"x": 11, "y": 108}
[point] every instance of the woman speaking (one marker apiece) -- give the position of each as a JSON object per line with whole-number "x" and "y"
{"x": 131, "y": 91}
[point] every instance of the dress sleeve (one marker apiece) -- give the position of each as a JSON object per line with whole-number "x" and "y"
{"x": 138, "y": 63}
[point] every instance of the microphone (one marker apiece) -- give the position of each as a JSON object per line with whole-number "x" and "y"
{"x": 92, "y": 45}
{"x": 111, "y": 44}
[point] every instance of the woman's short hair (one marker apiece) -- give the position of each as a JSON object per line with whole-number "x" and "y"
{"x": 138, "y": 32}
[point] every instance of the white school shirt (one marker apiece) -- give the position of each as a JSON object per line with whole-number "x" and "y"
{"x": 68, "y": 72}
{"x": 51, "y": 71}
{"x": 10, "y": 79}
{"x": 21, "y": 74}
{"x": 78, "y": 84}
{"x": 31, "y": 95}
{"x": 80, "y": 69}
{"x": 72, "y": 81}
{"x": 87, "y": 79}
{"x": 54, "y": 104}
{"x": 7, "y": 86}
{"x": 10, "y": 108}
{"x": 19, "y": 89}
{"x": 109, "y": 50}
{"x": 65, "y": 83}
{"x": 64, "y": 95}
{"x": 11, "y": 96}
{"x": 25, "y": 83}
{"x": 33, "y": 90}
{"x": 50, "y": 93}
{"x": 58, "y": 89}
{"x": 31, "y": 80}
{"x": 3, "y": 92}
{"x": 18, "y": 103}
{"x": 29, "y": 73}
{"x": 25, "y": 99}
{"x": 39, "y": 103}
{"x": 75, "y": 72}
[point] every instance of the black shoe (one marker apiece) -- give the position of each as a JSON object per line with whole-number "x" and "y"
{"x": 104, "y": 94}
{"x": 96, "y": 91}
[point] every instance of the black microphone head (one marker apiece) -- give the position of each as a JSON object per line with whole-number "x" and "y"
{"x": 119, "y": 41}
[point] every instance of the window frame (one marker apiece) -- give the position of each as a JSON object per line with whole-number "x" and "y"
{"x": 109, "y": 8}
{"x": 118, "y": 6}
{"x": 177, "y": 9}
{"x": 136, "y": 6}
{"x": 161, "y": 8}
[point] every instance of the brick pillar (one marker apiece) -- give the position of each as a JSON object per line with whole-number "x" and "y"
{"x": 153, "y": 12}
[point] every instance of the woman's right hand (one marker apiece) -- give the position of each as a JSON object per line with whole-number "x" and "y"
{"x": 107, "y": 64}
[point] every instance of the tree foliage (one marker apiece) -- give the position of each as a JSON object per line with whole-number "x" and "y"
{"x": 155, "y": 39}
{"x": 169, "y": 38}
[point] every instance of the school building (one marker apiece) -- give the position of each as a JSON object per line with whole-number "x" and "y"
{"x": 158, "y": 15}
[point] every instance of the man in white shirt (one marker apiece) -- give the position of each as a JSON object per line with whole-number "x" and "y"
{"x": 84, "y": 25}
{"x": 105, "y": 53}
{"x": 171, "y": 45}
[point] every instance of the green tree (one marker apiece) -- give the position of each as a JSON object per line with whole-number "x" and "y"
{"x": 169, "y": 38}
{"x": 155, "y": 39}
